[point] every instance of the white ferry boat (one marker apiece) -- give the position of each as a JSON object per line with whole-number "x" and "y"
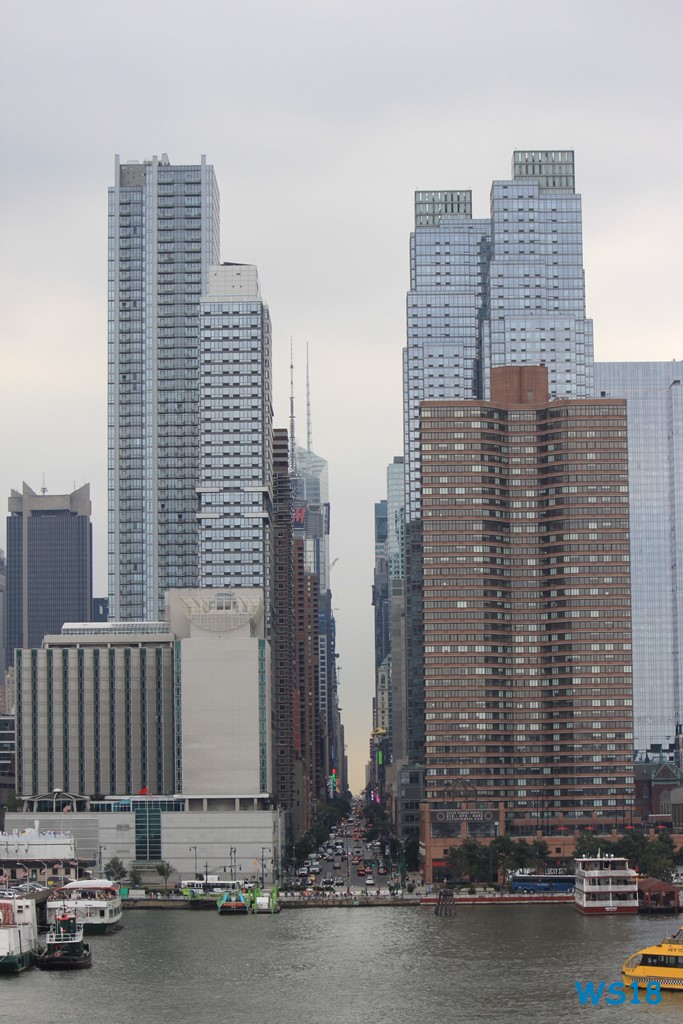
{"x": 605, "y": 885}
{"x": 95, "y": 902}
{"x": 18, "y": 935}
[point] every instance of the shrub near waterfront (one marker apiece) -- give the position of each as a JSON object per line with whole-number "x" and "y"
{"x": 477, "y": 862}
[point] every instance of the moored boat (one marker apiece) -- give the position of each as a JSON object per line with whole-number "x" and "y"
{"x": 18, "y": 935}
{"x": 233, "y": 902}
{"x": 605, "y": 885}
{"x": 661, "y": 964}
{"x": 65, "y": 949}
{"x": 95, "y": 902}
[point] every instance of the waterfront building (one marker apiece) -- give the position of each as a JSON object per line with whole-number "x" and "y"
{"x": 527, "y": 614}
{"x": 95, "y": 710}
{"x": 235, "y": 476}
{"x": 238, "y": 837}
{"x": 163, "y": 237}
{"x": 654, "y": 393}
{"x": 49, "y": 564}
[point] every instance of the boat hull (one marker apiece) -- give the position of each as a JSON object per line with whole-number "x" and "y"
{"x": 15, "y": 964}
{"x": 234, "y": 910}
{"x": 607, "y": 910}
{"x": 53, "y": 962}
{"x": 667, "y": 984}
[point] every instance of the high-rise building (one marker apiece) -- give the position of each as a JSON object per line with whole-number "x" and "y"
{"x": 311, "y": 525}
{"x": 654, "y": 393}
{"x": 2, "y": 624}
{"x": 163, "y": 237}
{"x": 49, "y": 564}
{"x": 287, "y": 752}
{"x": 235, "y": 480}
{"x": 507, "y": 289}
{"x": 527, "y": 615}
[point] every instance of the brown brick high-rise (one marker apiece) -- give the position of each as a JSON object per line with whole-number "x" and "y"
{"x": 527, "y": 631}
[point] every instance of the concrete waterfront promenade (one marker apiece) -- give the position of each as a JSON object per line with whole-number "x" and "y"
{"x": 297, "y": 902}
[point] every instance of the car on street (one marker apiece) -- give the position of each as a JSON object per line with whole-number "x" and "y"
{"x": 369, "y": 881}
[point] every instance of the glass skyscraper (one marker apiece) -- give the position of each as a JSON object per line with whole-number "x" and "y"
{"x": 163, "y": 237}
{"x": 49, "y": 564}
{"x": 504, "y": 290}
{"x": 654, "y": 393}
{"x": 236, "y": 432}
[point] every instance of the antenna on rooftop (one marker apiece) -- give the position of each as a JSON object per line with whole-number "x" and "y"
{"x": 43, "y": 489}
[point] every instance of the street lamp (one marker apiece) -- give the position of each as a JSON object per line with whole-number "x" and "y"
{"x": 195, "y": 859}
{"x": 233, "y": 862}
{"x": 263, "y": 863}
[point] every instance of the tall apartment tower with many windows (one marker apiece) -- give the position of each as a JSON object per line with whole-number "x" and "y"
{"x": 507, "y": 289}
{"x": 235, "y": 482}
{"x": 527, "y": 613}
{"x": 163, "y": 237}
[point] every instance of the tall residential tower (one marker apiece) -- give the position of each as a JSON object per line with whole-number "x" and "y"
{"x": 163, "y": 237}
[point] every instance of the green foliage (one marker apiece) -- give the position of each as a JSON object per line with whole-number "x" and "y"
{"x": 114, "y": 869}
{"x": 135, "y": 878}
{"x": 658, "y": 861}
{"x": 165, "y": 870}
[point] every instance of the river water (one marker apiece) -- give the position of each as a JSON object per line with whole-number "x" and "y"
{"x": 346, "y": 966}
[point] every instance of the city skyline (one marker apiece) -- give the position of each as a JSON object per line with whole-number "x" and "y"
{"x": 300, "y": 211}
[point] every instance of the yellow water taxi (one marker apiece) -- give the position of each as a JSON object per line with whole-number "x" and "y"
{"x": 662, "y": 964}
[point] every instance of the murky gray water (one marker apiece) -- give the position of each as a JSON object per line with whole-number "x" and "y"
{"x": 346, "y": 966}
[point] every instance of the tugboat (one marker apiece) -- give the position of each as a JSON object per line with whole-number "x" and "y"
{"x": 65, "y": 949}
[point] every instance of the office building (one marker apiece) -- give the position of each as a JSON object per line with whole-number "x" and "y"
{"x": 49, "y": 564}
{"x": 654, "y": 393}
{"x": 183, "y": 705}
{"x": 527, "y": 628}
{"x": 235, "y": 479}
{"x": 224, "y": 719}
{"x": 163, "y": 237}
{"x": 95, "y": 710}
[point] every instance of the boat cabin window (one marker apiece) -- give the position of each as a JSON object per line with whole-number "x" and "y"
{"x": 654, "y": 960}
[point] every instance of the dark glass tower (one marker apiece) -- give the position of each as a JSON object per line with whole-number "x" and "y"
{"x": 49, "y": 565}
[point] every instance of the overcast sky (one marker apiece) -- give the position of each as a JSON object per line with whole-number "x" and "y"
{"x": 321, "y": 121}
